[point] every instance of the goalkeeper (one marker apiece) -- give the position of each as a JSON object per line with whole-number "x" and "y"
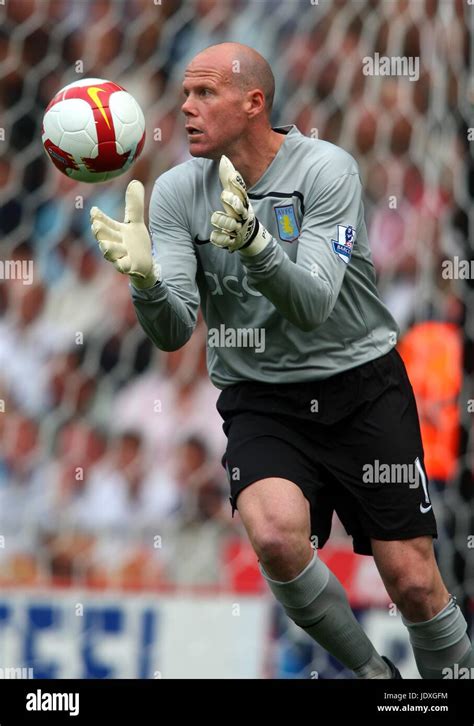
{"x": 265, "y": 229}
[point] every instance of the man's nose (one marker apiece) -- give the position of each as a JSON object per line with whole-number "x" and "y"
{"x": 186, "y": 108}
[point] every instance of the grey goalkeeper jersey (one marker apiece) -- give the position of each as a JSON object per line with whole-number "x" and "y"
{"x": 304, "y": 308}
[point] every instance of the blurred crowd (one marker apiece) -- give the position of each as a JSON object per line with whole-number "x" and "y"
{"x": 110, "y": 450}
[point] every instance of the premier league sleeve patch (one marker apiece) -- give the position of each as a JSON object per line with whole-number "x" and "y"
{"x": 344, "y": 244}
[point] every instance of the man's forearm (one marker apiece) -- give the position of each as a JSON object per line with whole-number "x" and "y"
{"x": 302, "y": 297}
{"x": 167, "y": 318}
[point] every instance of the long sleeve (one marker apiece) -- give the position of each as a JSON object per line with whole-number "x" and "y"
{"x": 305, "y": 291}
{"x": 167, "y": 311}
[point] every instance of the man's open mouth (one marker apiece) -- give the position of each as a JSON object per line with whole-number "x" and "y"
{"x": 192, "y": 131}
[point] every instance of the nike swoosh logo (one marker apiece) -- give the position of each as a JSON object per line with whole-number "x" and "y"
{"x": 423, "y": 509}
{"x": 201, "y": 241}
{"x": 93, "y": 92}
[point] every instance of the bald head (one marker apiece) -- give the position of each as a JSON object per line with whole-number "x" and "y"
{"x": 229, "y": 92}
{"x": 242, "y": 66}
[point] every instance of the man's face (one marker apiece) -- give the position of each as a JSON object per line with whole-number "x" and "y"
{"x": 214, "y": 110}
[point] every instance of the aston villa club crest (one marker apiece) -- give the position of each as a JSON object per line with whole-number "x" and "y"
{"x": 288, "y": 229}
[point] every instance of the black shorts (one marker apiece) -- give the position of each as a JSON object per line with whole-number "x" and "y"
{"x": 351, "y": 442}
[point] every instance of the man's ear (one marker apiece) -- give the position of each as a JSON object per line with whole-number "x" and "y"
{"x": 255, "y": 102}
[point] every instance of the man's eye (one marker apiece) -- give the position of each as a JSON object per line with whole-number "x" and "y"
{"x": 206, "y": 92}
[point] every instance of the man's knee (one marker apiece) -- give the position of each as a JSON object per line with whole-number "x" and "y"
{"x": 276, "y": 516}
{"x": 411, "y": 576}
{"x": 412, "y": 591}
{"x": 419, "y": 595}
{"x": 277, "y": 545}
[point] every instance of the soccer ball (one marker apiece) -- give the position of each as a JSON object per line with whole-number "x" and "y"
{"x": 93, "y": 130}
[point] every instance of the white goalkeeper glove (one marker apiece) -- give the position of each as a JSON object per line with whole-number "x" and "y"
{"x": 127, "y": 244}
{"x": 237, "y": 227}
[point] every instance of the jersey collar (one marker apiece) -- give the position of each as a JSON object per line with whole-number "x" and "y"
{"x": 290, "y": 131}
